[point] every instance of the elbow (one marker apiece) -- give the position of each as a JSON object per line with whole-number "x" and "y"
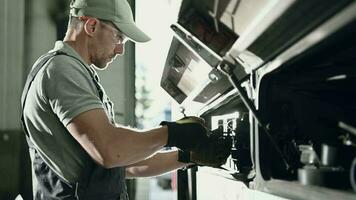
{"x": 109, "y": 162}
{"x": 106, "y": 162}
{"x": 109, "y": 155}
{"x": 111, "y": 159}
{"x": 104, "y": 158}
{"x": 113, "y": 151}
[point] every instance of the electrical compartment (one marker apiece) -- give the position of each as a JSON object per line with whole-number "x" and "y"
{"x": 278, "y": 79}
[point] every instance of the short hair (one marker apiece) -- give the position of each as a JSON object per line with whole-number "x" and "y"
{"x": 75, "y": 22}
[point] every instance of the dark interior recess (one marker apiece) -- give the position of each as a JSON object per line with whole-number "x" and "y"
{"x": 305, "y": 101}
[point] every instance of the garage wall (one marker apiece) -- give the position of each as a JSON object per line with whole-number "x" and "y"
{"x": 11, "y": 62}
{"x": 40, "y": 32}
{"x": 14, "y": 167}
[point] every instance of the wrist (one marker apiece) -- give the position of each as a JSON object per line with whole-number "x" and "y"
{"x": 165, "y": 135}
{"x": 169, "y": 127}
{"x": 184, "y": 156}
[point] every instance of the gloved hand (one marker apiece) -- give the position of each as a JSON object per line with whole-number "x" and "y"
{"x": 186, "y": 133}
{"x": 213, "y": 153}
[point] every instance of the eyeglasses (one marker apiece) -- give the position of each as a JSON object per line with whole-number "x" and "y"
{"x": 120, "y": 38}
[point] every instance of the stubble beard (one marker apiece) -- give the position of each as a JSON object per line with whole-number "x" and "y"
{"x": 102, "y": 64}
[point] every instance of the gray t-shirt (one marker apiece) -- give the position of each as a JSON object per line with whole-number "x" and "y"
{"x": 62, "y": 89}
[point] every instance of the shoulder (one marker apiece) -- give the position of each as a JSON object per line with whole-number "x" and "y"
{"x": 64, "y": 73}
{"x": 64, "y": 64}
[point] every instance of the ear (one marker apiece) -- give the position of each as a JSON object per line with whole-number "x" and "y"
{"x": 90, "y": 25}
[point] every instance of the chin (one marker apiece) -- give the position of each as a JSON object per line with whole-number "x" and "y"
{"x": 101, "y": 66}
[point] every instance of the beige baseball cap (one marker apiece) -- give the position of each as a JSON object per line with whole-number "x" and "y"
{"x": 117, "y": 11}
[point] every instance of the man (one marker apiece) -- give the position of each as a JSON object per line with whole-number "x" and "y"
{"x": 77, "y": 151}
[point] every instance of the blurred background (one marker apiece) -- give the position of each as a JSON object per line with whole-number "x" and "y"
{"x": 29, "y": 29}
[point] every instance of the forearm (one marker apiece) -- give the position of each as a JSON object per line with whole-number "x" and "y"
{"x": 156, "y": 165}
{"x": 112, "y": 146}
{"x": 130, "y": 146}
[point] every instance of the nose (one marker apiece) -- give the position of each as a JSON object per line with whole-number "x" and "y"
{"x": 119, "y": 49}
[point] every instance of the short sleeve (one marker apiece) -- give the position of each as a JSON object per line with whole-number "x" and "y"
{"x": 69, "y": 89}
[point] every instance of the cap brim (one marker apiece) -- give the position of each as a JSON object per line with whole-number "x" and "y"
{"x": 132, "y": 32}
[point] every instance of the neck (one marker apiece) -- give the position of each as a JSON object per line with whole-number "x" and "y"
{"x": 79, "y": 43}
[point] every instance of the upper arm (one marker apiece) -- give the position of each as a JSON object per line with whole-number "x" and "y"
{"x": 93, "y": 131}
{"x": 72, "y": 96}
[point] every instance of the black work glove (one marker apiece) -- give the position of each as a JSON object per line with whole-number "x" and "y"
{"x": 186, "y": 133}
{"x": 213, "y": 152}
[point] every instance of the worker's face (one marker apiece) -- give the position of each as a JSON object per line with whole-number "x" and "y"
{"x": 110, "y": 42}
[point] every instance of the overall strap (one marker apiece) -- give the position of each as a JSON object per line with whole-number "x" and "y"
{"x": 37, "y": 66}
